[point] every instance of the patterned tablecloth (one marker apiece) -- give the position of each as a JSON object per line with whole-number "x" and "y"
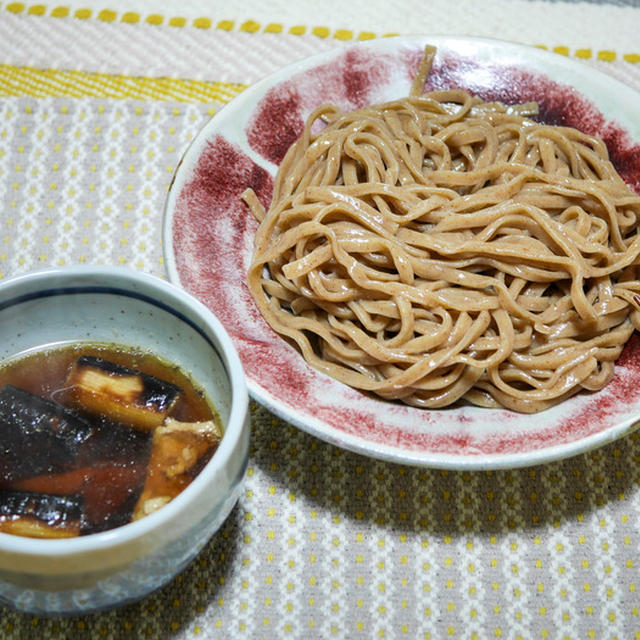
{"x": 98, "y": 102}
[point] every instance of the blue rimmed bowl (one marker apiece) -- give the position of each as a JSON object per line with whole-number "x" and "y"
{"x": 75, "y": 576}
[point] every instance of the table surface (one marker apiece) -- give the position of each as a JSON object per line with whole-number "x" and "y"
{"x": 99, "y": 101}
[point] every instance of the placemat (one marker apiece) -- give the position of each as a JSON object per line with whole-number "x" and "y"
{"x": 98, "y": 103}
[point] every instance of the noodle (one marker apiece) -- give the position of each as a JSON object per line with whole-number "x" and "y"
{"x": 438, "y": 248}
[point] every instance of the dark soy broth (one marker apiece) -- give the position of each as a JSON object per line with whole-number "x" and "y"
{"x": 109, "y": 471}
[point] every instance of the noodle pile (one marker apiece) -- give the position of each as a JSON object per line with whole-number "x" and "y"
{"x": 438, "y": 248}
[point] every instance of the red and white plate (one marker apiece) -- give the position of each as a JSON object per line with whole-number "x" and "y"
{"x": 208, "y": 238}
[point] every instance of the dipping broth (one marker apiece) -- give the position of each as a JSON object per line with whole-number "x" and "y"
{"x": 93, "y": 436}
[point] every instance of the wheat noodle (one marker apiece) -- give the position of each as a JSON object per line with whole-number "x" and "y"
{"x": 439, "y": 248}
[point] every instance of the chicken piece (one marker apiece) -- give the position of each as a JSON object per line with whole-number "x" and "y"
{"x": 179, "y": 450}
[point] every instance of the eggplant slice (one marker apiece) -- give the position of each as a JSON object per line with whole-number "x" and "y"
{"x": 40, "y": 515}
{"x": 122, "y": 394}
{"x": 37, "y": 435}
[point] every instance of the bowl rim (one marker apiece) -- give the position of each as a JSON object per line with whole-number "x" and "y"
{"x": 117, "y": 279}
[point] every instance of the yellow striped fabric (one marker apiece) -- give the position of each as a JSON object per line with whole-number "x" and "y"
{"x": 252, "y": 26}
{"x": 37, "y": 83}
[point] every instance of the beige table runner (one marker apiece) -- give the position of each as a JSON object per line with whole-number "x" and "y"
{"x": 99, "y": 101}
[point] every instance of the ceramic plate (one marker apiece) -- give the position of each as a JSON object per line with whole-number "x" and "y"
{"x": 208, "y": 235}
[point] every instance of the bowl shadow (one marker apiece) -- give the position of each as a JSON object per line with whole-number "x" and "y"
{"x": 162, "y": 614}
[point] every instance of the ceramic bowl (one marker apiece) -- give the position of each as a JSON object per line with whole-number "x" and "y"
{"x": 115, "y": 305}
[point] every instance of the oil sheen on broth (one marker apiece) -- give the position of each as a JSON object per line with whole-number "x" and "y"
{"x": 94, "y": 436}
